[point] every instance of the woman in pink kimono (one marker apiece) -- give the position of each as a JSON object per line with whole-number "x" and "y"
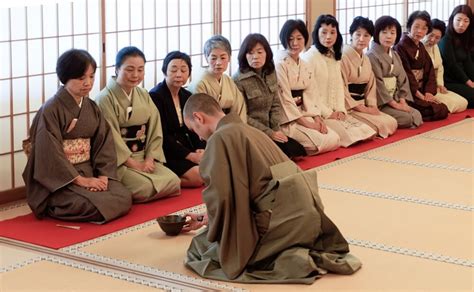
{"x": 359, "y": 80}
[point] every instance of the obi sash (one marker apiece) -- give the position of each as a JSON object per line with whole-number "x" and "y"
{"x": 297, "y": 96}
{"x": 134, "y": 137}
{"x": 391, "y": 85}
{"x": 357, "y": 90}
{"x": 418, "y": 76}
{"x": 77, "y": 150}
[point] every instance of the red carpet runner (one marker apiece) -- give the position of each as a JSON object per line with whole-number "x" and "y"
{"x": 45, "y": 232}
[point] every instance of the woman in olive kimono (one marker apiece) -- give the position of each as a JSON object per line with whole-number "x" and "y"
{"x": 301, "y": 119}
{"x": 360, "y": 89}
{"x": 452, "y": 100}
{"x": 324, "y": 59}
{"x": 71, "y": 170}
{"x": 136, "y": 127}
{"x": 215, "y": 82}
{"x": 456, "y": 48}
{"x": 256, "y": 79}
{"x": 266, "y": 222}
{"x": 419, "y": 68}
{"x": 393, "y": 89}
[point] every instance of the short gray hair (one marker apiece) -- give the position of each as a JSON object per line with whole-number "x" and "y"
{"x": 217, "y": 42}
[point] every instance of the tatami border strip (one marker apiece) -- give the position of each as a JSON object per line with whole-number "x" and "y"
{"x": 12, "y": 206}
{"x": 421, "y": 164}
{"x": 394, "y": 197}
{"x": 457, "y": 140}
{"x": 412, "y": 252}
{"x": 150, "y": 270}
{"x": 22, "y": 264}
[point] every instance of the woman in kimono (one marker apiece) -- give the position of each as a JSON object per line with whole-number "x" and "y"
{"x": 215, "y": 82}
{"x": 324, "y": 59}
{"x": 456, "y": 48}
{"x": 393, "y": 89}
{"x": 256, "y": 79}
{"x": 452, "y": 100}
{"x": 183, "y": 149}
{"x": 301, "y": 119}
{"x": 136, "y": 128}
{"x": 419, "y": 68}
{"x": 71, "y": 172}
{"x": 359, "y": 80}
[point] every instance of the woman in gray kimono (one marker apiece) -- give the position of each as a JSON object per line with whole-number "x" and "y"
{"x": 256, "y": 79}
{"x": 393, "y": 89}
{"x": 136, "y": 128}
{"x": 71, "y": 170}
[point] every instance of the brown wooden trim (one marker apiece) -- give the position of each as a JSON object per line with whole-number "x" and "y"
{"x": 12, "y": 195}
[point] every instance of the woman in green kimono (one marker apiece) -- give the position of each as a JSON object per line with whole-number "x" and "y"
{"x": 136, "y": 128}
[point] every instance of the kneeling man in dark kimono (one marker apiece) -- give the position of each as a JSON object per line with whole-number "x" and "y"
{"x": 265, "y": 220}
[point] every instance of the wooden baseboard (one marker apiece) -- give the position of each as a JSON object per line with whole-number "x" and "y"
{"x": 12, "y": 195}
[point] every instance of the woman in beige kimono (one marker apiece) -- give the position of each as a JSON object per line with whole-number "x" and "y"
{"x": 393, "y": 89}
{"x": 359, "y": 80}
{"x": 324, "y": 59}
{"x": 136, "y": 127}
{"x": 71, "y": 172}
{"x": 301, "y": 117}
{"x": 215, "y": 82}
{"x": 452, "y": 100}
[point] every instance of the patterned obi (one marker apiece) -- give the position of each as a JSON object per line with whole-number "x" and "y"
{"x": 391, "y": 85}
{"x": 77, "y": 150}
{"x": 134, "y": 137}
{"x": 357, "y": 90}
{"x": 297, "y": 96}
{"x": 418, "y": 76}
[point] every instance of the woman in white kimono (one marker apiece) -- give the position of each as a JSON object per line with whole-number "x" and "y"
{"x": 393, "y": 89}
{"x": 452, "y": 100}
{"x": 323, "y": 58}
{"x": 136, "y": 128}
{"x": 301, "y": 118}
{"x": 215, "y": 82}
{"x": 359, "y": 80}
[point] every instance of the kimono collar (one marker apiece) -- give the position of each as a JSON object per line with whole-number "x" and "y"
{"x": 409, "y": 42}
{"x": 68, "y": 100}
{"x": 354, "y": 57}
{"x": 122, "y": 98}
{"x": 230, "y": 118}
{"x": 165, "y": 89}
{"x": 379, "y": 51}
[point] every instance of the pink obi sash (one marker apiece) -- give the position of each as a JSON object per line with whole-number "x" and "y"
{"x": 77, "y": 150}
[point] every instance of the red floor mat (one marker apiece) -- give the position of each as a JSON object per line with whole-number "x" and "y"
{"x": 45, "y": 232}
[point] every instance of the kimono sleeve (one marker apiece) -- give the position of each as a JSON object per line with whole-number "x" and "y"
{"x": 154, "y": 143}
{"x": 405, "y": 59}
{"x": 238, "y": 106}
{"x": 51, "y": 167}
{"x": 107, "y": 108}
{"x": 346, "y": 73}
{"x": 403, "y": 84}
{"x": 104, "y": 157}
{"x": 383, "y": 96}
{"x": 289, "y": 107}
{"x": 227, "y": 198}
{"x": 440, "y": 71}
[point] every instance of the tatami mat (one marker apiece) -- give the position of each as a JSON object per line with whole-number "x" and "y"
{"x": 463, "y": 130}
{"x": 49, "y": 276}
{"x": 13, "y": 210}
{"x": 11, "y": 256}
{"x": 400, "y": 179}
{"x": 420, "y": 227}
{"x": 437, "y": 152}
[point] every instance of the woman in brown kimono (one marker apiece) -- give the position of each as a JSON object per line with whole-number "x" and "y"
{"x": 71, "y": 170}
{"x": 419, "y": 68}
